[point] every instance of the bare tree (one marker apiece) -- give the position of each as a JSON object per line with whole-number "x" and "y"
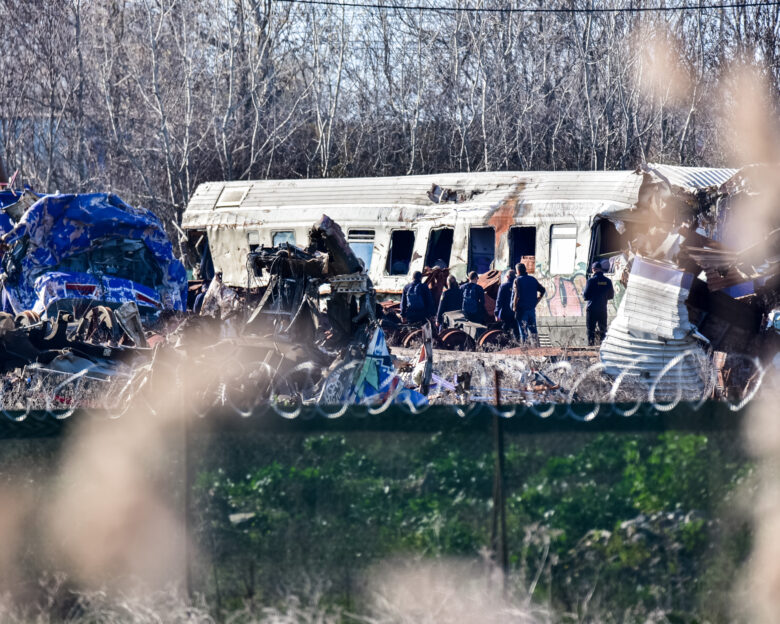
{"x": 148, "y": 98}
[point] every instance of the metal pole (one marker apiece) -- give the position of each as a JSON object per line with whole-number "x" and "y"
{"x": 498, "y": 533}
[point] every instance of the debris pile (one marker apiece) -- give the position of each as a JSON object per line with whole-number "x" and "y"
{"x": 84, "y": 278}
{"x": 700, "y": 289}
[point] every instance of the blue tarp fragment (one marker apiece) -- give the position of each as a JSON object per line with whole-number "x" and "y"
{"x": 58, "y": 227}
{"x": 377, "y": 381}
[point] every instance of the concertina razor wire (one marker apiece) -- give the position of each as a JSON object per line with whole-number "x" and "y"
{"x": 124, "y": 393}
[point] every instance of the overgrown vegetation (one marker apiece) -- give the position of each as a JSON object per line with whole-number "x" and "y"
{"x": 611, "y": 527}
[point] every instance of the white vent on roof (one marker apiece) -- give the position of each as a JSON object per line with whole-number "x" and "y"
{"x": 232, "y": 196}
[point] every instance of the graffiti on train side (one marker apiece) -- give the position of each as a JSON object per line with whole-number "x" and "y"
{"x": 564, "y": 292}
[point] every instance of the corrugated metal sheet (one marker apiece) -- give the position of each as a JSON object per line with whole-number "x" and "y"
{"x": 652, "y": 330}
{"x": 691, "y": 177}
{"x": 655, "y": 302}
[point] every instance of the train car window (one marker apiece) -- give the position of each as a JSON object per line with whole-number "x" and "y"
{"x": 482, "y": 249}
{"x": 253, "y": 238}
{"x": 607, "y": 241}
{"x": 362, "y": 244}
{"x": 522, "y": 247}
{"x": 232, "y": 196}
{"x": 439, "y": 248}
{"x": 563, "y": 249}
{"x": 400, "y": 255}
{"x": 287, "y": 236}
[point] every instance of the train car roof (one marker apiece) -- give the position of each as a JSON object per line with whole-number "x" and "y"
{"x": 257, "y": 202}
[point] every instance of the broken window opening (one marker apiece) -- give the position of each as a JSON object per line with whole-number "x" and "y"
{"x": 439, "y": 248}
{"x": 399, "y": 256}
{"x": 522, "y": 247}
{"x": 482, "y": 249}
{"x": 117, "y": 257}
{"x": 563, "y": 249}
{"x": 232, "y": 196}
{"x": 440, "y": 195}
{"x": 362, "y": 244}
{"x": 253, "y": 239}
{"x": 287, "y": 236}
{"x": 607, "y": 240}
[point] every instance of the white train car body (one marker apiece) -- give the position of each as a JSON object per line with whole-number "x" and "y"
{"x": 556, "y": 222}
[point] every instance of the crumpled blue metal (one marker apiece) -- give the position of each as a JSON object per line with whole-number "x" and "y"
{"x": 60, "y": 226}
{"x": 71, "y": 285}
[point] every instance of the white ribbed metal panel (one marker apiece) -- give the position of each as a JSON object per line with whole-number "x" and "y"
{"x": 652, "y": 330}
{"x": 655, "y": 300}
{"x": 692, "y": 177}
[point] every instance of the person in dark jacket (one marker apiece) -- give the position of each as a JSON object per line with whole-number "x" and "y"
{"x": 416, "y": 300}
{"x": 504, "y": 311}
{"x": 198, "y": 304}
{"x": 451, "y": 299}
{"x": 597, "y": 292}
{"x": 527, "y": 292}
{"x": 473, "y": 306}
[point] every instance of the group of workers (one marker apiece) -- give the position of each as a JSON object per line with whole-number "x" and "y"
{"x": 518, "y": 296}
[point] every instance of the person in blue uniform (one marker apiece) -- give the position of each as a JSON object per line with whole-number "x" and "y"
{"x": 416, "y": 300}
{"x": 473, "y": 307}
{"x": 527, "y": 292}
{"x": 451, "y": 299}
{"x": 504, "y": 311}
{"x": 597, "y": 292}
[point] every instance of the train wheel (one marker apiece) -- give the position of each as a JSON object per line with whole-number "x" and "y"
{"x": 413, "y": 339}
{"x": 494, "y": 338}
{"x": 457, "y": 340}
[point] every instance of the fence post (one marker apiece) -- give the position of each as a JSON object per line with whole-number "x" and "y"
{"x": 498, "y": 530}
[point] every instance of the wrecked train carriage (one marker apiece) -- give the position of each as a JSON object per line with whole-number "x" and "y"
{"x": 557, "y": 223}
{"x": 72, "y": 252}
